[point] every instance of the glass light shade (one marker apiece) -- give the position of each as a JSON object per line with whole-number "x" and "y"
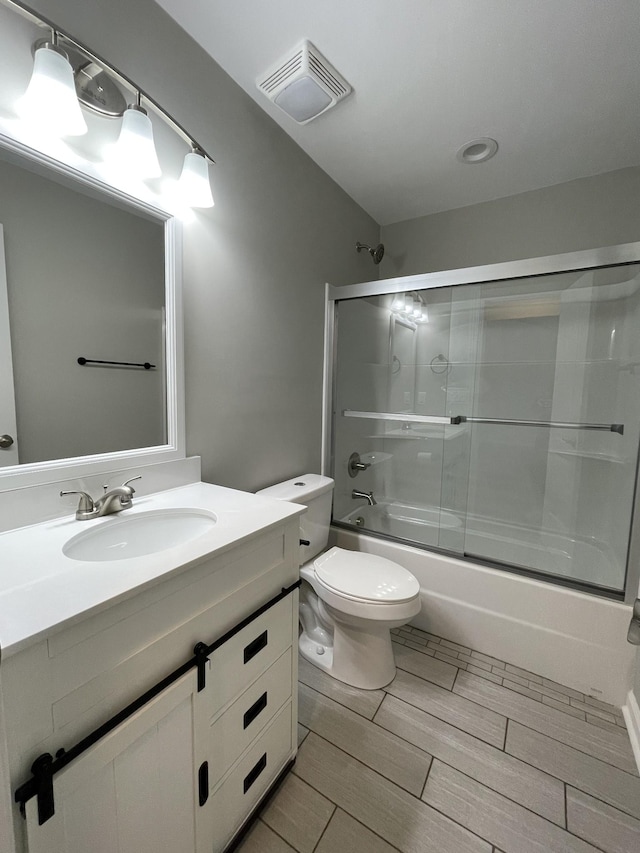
{"x": 194, "y": 186}
{"x": 50, "y": 99}
{"x": 134, "y": 150}
{"x": 398, "y": 302}
{"x": 417, "y": 309}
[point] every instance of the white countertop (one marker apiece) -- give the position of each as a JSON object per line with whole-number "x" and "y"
{"x": 42, "y": 590}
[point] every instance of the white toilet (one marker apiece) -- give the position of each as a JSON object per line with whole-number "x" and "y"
{"x": 349, "y": 600}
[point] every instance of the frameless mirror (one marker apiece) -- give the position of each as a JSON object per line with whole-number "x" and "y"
{"x": 82, "y": 277}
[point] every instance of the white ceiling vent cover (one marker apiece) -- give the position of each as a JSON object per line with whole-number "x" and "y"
{"x": 304, "y": 84}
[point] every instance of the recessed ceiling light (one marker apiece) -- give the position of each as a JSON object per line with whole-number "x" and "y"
{"x": 477, "y": 150}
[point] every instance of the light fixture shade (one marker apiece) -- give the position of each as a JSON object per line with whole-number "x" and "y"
{"x": 50, "y": 99}
{"x": 194, "y": 185}
{"x": 135, "y": 150}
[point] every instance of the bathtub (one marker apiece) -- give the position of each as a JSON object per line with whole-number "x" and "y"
{"x": 589, "y": 561}
{"x": 538, "y": 626}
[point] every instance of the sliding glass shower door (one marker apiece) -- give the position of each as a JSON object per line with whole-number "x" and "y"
{"x": 497, "y": 421}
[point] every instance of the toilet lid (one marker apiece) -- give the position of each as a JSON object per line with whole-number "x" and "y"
{"x": 365, "y": 576}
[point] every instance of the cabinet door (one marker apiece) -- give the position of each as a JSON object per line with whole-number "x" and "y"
{"x": 134, "y": 791}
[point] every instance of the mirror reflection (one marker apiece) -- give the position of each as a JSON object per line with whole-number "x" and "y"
{"x": 82, "y": 278}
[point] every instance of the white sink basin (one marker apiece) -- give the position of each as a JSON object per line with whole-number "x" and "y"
{"x": 122, "y": 537}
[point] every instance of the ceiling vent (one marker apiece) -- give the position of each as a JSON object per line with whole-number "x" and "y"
{"x": 304, "y": 84}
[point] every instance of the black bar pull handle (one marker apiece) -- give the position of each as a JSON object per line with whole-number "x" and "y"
{"x": 146, "y": 364}
{"x": 255, "y": 771}
{"x": 255, "y": 646}
{"x": 200, "y": 652}
{"x": 305, "y": 542}
{"x": 255, "y": 710}
{"x": 203, "y": 783}
{"x": 42, "y": 769}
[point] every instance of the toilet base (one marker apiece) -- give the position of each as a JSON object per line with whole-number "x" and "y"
{"x": 353, "y": 650}
{"x": 358, "y": 657}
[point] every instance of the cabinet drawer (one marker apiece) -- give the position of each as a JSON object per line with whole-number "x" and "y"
{"x": 232, "y": 732}
{"x": 231, "y": 804}
{"x": 237, "y": 663}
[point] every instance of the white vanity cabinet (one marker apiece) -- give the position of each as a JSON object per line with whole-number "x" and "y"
{"x": 183, "y": 772}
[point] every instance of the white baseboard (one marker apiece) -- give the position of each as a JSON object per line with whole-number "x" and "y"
{"x": 631, "y": 711}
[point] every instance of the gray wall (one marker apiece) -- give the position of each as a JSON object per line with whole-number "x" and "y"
{"x": 254, "y": 266}
{"x": 582, "y": 214}
{"x": 84, "y": 278}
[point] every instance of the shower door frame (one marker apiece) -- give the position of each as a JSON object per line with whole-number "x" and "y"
{"x": 608, "y": 256}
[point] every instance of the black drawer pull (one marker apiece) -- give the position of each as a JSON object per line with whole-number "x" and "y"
{"x": 203, "y": 783}
{"x": 255, "y": 646}
{"x": 253, "y": 774}
{"x": 255, "y": 710}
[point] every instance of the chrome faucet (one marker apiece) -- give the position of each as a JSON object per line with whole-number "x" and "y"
{"x": 367, "y": 496}
{"x": 111, "y": 501}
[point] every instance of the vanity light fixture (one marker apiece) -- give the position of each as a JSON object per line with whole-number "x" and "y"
{"x": 66, "y": 74}
{"x": 50, "y": 99}
{"x": 134, "y": 150}
{"x": 194, "y": 186}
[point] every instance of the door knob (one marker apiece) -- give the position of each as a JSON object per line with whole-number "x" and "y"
{"x": 6, "y": 440}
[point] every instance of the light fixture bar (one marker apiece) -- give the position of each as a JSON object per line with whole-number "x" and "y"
{"x": 167, "y": 117}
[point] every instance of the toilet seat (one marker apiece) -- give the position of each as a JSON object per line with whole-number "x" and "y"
{"x": 364, "y": 578}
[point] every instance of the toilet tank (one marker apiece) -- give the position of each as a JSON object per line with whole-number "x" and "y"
{"x": 315, "y": 492}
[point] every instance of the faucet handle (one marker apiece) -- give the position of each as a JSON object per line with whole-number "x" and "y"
{"x": 86, "y": 506}
{"x": 126, "y": 483}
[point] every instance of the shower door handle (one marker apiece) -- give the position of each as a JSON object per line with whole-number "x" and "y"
{"x": 463, "y": 419}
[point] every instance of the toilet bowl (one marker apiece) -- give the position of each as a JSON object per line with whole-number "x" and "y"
{"x": 349, "y": 601}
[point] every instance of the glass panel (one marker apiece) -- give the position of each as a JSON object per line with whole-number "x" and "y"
{"x": 392, "y": 363}
{"x": 538, "y": 371}
{"x": 556, "y": 349}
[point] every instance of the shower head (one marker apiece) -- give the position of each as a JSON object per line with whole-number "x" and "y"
{"x": 377, "y": 254}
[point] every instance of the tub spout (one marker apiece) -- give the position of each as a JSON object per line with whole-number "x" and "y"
{"x": 367, "y": 496}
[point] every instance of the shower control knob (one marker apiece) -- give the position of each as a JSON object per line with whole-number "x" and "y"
{"x": 355, "y": 465}
{"x": 6, "y": 440}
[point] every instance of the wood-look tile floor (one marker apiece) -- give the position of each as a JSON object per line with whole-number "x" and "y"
{"x": 461, "y": 753}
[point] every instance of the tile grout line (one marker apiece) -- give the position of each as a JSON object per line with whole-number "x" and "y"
{"x": 536, "y": 675}
{"x": 326, "y": 826}
{"x": 338, "y": 702}
{"x": 573, "y": 784}
{"x": 539, "y": 816}
{"x": 485, "y": 743}
{"x": 444, "y": 720}
{"x": 508, "y": 678}
{"x": 342, "y": 808}
{"x": 419, "y": 799}
{"x": 389, "y": 732}
{"x": 484, "y": 707}
{"x": 571, "y": 746}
